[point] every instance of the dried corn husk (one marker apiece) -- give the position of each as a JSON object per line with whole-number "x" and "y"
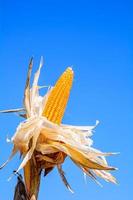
{"x": 42, "y": 132}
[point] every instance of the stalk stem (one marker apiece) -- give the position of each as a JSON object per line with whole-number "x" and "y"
{"x": 32, "y": 176}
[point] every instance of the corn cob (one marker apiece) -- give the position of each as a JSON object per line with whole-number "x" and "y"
{"x": 54, "y": 111}
{"x": 58, "y": 98}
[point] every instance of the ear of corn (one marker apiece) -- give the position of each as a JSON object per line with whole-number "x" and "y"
{"x": 53, "y": 111}
{"x": 58, "y": 98}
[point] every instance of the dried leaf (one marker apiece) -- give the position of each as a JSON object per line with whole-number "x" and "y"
{"x": 62, "y": 174}
{"x": 17, "y": 110}
{"x": 14, "y": 151}
{"x": 26, "y": 100}
{"x": 80, "y": 157}
{"x": 20, "y": 190}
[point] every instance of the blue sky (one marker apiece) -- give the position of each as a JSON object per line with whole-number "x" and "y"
{"x": 96, "y": 39}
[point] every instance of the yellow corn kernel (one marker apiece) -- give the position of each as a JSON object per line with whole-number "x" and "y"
{"x": 58, "y": 98}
